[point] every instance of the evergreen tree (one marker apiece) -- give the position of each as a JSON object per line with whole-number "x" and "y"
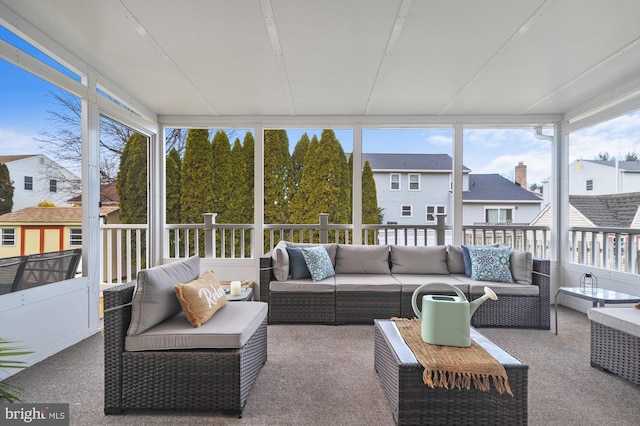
{"x": 297, "y": 163}
{"x": 6, "y": 190}
{"x": 370, "y": 210}
{"x": 277, "y": 163}
{"x": 248, "y": 149}
{"x": 196, "y": 189}
{"x": 237, "y": 206}
{"x": 224, "y": 176}
{"x": 323, "y": 186}
{"x": 132, "y": 180}
{"x": 173, "y": 162}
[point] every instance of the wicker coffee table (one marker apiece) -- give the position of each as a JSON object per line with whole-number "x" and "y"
{"x": 413, "y": 402}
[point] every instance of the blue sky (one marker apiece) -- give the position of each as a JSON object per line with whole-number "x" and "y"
{"x": 25, "y": 99}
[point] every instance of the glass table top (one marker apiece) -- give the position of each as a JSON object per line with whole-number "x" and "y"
{"x": 599, "y": 294}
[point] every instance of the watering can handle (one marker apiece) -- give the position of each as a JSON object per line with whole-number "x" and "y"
{"x": 416, "y": 292}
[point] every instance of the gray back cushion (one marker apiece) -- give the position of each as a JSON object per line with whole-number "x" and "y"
{"x": 358, "y": 259}
{"x": 521, "y": 266}
{"x": 280, "y": 261}
{"x": 419, "y": 260}
{"x": 154, "y": 299}
{"x": 455, "y": 261}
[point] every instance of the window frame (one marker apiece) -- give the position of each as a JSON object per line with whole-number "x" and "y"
{"x": 28, "y": 183}
{"x": 402, "y": 210}
{"x": 74, "y": 241}
{"x": 7, "y": 240}
{"x": 391, "y": 182}
{"x": 589, "y": 185}
{"x": 500, "y": 209}
{"x": 417, "y": 182}
{"x": 53, "y": 185}
{"x": 437, "y": 209}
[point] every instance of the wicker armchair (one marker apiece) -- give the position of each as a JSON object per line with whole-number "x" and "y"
{"x": 192, "y": 379}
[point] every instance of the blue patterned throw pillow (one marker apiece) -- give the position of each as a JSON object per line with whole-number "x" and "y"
{"x": 491, "y": 264}
{"x": 318, "y": 263}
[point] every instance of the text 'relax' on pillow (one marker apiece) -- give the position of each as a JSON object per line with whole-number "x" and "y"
{"x": 318, "y": 262}
{"x": 491, "y": 264}
{"x": 201, "y": 298}
{"x": 297, "y": 265}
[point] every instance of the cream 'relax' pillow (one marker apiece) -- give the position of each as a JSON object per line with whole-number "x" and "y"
{"x": 201, "y": 298}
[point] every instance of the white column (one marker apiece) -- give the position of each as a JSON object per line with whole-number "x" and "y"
{"x": 258, "y": 193}
{"x": 455, "y": 217}
{"x": 356, "y": 202}
{"x": 559, "y": 199}
{"x": 90, "y": 133}
{"x": 156, "y": 199}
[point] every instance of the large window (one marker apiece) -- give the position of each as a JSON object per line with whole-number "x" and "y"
{"x": 499, "y": 215}
{"x": 8, "y": 237}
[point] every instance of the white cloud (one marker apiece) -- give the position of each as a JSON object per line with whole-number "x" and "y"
{"x": 16, "y": 143}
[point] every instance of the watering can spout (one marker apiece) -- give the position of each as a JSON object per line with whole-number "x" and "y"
{"x": 488, "y": 294}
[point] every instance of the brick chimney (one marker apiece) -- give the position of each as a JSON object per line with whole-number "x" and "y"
{"x": 521, "y": 175}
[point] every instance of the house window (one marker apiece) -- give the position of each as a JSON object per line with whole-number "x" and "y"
{"x": 407, "y": 210}
{"x": 75, "y": 236}
{"x": 8, "y": 237}
{"x": 395, "y": 182}
{"x": 28, "y": 183}
{"x": 589, "y": 184}
{"x": 53, "y": 185}
{"x": 499, "y": 215}
{"x": 414, "y": 182}
{"x": 431, "y": 213}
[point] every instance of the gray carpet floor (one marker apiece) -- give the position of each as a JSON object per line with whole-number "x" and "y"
{"x": 324, "y": 375}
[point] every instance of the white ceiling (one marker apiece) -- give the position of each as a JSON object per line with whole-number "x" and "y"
{"x": 350, "y": 57}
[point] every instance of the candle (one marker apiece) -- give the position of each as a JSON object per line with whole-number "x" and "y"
{"x": 235, "y": 288}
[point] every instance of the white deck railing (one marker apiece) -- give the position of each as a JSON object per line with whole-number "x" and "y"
{"x": 124, "y": 246}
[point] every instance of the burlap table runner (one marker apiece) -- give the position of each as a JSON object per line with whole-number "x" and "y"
{"x": 451, "y": 367}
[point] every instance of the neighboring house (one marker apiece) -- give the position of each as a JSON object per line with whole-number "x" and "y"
{"x": 493, "y": 199}
{"x": 598, "y": 177}
{"x": 108, "y": 196}
{"x": 37, "y": 178}
{"x": 415, "y": 188}
{"x": 43, "y": 229}
{"x": 600, "y": 211}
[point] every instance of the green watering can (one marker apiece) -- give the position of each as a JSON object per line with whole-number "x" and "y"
{"x": 446, "y": 320}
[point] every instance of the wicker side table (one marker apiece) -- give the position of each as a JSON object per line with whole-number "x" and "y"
{"x": 413, "y": 402}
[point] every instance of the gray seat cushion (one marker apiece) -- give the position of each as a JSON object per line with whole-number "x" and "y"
{"x": 410, "y": 282}
{"x": 367, "y": 282}
{"x": 304, "y": 285}
{"x": 626, "y": 320}
{"x": 230, "y": 327}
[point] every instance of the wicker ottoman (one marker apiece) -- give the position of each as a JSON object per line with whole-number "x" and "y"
{"x": 412, "y": 402}
{"x": 615, "y": 345}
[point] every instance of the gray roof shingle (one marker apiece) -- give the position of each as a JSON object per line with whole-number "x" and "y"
{"x": 485, "y": 187}
{"x": 426, "y": 162}
{"x": 608, "y": 211}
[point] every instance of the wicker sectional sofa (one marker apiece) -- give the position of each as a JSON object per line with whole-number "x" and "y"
{"x": 378, "y": 282}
